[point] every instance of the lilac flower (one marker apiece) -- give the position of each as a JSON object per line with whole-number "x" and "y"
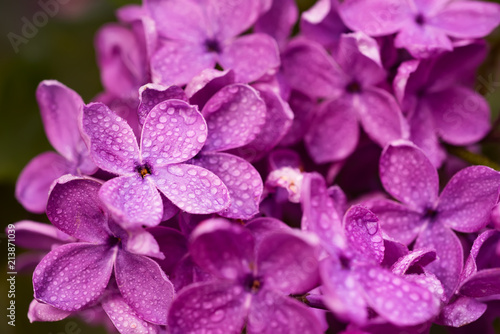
{"x": 75, "y": 275}
{"x": 349, "y": 81}
{"x": 278, "y": 20}
{"x": 60, "y": 108}
{"x": 436, "y": 96}
{"x": 253, "y": 281}
{"x": 464, "y": 205}
{"x": 196, "y": 35}
{"x": 352, "y": 277}
{"x": 173, "y": 133}
{"x": 424, "y": 28}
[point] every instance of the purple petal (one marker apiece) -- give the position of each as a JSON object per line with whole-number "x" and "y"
{"x": 287, "y": 262}
{"x": 423, "y": 41}
{"x": 173, "y": 132}
{"x": 169, "y": 208}
{"x": 231, "y": 18}
{"x": 120, "y": 60}
{"x": 141, "y": 242}
{"x": 401, "y": 302}
{"x": 484, "y": 283}
{"x": 310, "y": 70}
{"x": 393, "y": 252}
{"x": 260, "y": 227}
{"x": 177, "y": 62}
{"x": 380, "y": 116}
{"x": 456, "y": 19}
{"x": 467, "y": 200}
{"x": 449, "y": 264}
{"x": 125, "y": 319}
{"x": 409, "y": 176}
{"x": 112, "y": 142}
{"x": 461, "y": 312}
{"x": 470, "y": 266}
{"x": 206, "y": 84}
{"x": 235, "y": 115}
{"x": 405, "y": 80}
{"x": 461, "y": 115}
{"x": 60, "y": 108}
{"x": 73, "y": 276}
{"x": 334, "y": 133}
{"x": 223, "y": 249}
{"x": 192, "y": 189}
{"x": 251, "y": 56}
{"x": 241, "y": 179}
{"x": 375, "y": 17}
{"x": 396, "y": 220}
{"x": 74, "y": 208}
{"x": 44, "y": 312}
{"x": 152, "y": 94}
{"x": 420, "y": 257}
{"x": 281, "y": 158}
{"x": 363, "y": 234}
{"x": 33, "y": 184}
{"x": 133, "y": 201}
{"x": 38, "y": 236}
{"x": 278, "y": 21}
{"x": 217, "y": 307}
{"x": 277, "y": 123}
{"x": 172, "y": 243}
{"x": 271, "y": 313}
{"x": 302, "y": 107}
{"x": 342, "y": 293}
{"x": 144, "y": 286}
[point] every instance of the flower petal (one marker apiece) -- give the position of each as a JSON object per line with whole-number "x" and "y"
{"x": 409, "y": 176}
{"x": 234, "y": 115}
{"x": 423, "y": 41}
{"x": 144, "y": 286}
{"x": 152, "y": 94}
{"x": 112, "y": 142}
{"x": 133, "y": 201}
{"x": 419, "y": 257}
{"x": 33, "y": 184}
{"x": 232, "y": 17}
{"x": 212, "y": 306}
{"x": 193, "y": 189}
{"x": 38, "y": 236}
{"x": 467, "y": 200}
{"x": 461, "y": 115}
{"x": 484, "y": 283}
{"x": 241, "y": 179}
{"x": 173, "y": 132}
{"x": 302, "y": 107}
{"x": 449, "y": 264}
{"x": 334, "y": 132}
{"x": 271, "y": 312}
{"x": 44, "y": 312}
{"x": 396, "y": 220}
{"x": 288, "y": 262}
{"x": 223, "y": 249}
{"x": 461, "y": 312}
{"x": 73, "y": 276}
{"x": 206, "y": 84}
{"x": 125, "y": 319}
{"x": 172, "y": 243}
{"x": 74, "y": 208}
{"x": 278, "y": 21}
{"x": 485, "y": 238}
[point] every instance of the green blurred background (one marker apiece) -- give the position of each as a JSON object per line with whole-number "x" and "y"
{"x": 63, "y": 50}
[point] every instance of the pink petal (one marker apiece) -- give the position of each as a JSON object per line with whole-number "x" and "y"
{"x": 144, "y": 286}
{"x": 125, "y": 319}
{"x": 419, "y": 257}
{"x": 484, "y": 283}
{"x": 241, "y": 179}
{"x": 44, "y": 312}
{"x": 173, "y": 132}
{"x": 33, "y": 184}
{"x": 461, "y": 312}
{"x": 73, "y": 276}
{"x": 191, "y": 188}
{"x": 232, "y": 17}
{"x": 303, "y": 110}
{"x": 409, "y": 176}
{"x": 235, "y": 115}
{"x": 423, "y": 41}
{"x": 223, "y": 249}
{"x": 251, "y": 56}
{"x": 279, "y": 20}
{"x": 152, "y": 94}
{"x": 38, "y": 236}
{"x": 206, "y": 84}
{"x": 133, "y": 201}
{"x": 112, "y": 142}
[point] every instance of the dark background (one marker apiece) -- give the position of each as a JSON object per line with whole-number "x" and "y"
{"x": 63, "y": 50}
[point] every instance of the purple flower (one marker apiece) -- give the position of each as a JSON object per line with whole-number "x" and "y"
{"x": 60, "y": 108}
{"x": 349, "y": 82}
{"x": 195, "y": 35}
{"x": 352, "y": 276}
{"x": 173, "y": 132}
{"x": 422, "y": 214}
{"x": 424, "y": 28}
{"x": 253, "y": 279}
{"x": 75, "y": 275}
{"x": 437, "y": 98}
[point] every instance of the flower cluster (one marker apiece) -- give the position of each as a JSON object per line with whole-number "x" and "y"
{"x": 239, "y": 176}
